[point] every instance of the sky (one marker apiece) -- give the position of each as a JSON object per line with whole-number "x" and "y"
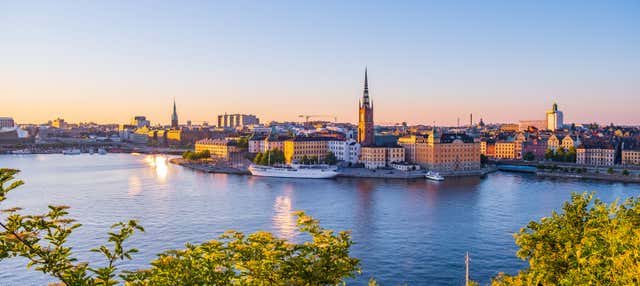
{"x": 428, "y": 61}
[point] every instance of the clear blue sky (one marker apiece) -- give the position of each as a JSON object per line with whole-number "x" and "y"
{"x": 428, "y": 61}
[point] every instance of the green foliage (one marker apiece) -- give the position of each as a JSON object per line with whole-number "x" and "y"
{"x": 275, "y": 156}
{"x": 330, "y": 158}
{"x": 625, "y": 172}
{"x": 235, "y": 259}
{"x": 191, "y": 155}
{"x": 483, "y": 160}
{"x": 256, "y": 259}
{"x": 529, "y": 156}
{"x": 41, "y": 239}
{"x": 548, "y": 154}
{"x": 610, "y": 171}
{"x": 243, "y": 142}
{"x": 588, "y": 243}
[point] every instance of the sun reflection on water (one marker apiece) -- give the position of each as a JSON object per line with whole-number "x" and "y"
{"x": 159, "y": 163}
{"x": 283, "y": 218}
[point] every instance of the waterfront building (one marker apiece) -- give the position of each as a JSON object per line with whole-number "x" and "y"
{"x": 237, "y": 120}
{"x": 345, "y": 150}
{"x": 302, "y": 146}
{"x": 174, "y": 116}
{"x": 6, "y": 122}
{"x": 256, "y": 142}
{"x": 374, "y": 157}
{"x": 448, "y": 152}
{"x": 570, "y": 141}
{"x": 59, "y": 123}
{"x": 553, "y": 142}
{"x": 219, "y": 148}
{"x": 140, "y": 121}
{"x": 185, "y": 136}
{"x": 506, "y": 149}
{"x": 537, "y": 146}
{"x": 554, "y": 118}
{"x": 409, "y": 144}
{"x": 631, "y": 157}
{"x": 488, "y": 147}
{"x": 366, "y": 134}
{"x": 596, "y": 155}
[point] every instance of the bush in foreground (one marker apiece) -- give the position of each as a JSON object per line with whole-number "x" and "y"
{"x": 588, "y": 243}
{"x": 235, "y": 259}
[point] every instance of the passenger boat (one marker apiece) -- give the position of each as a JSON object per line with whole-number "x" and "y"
{"x": 294, "y": 171}
{"x": 102, "y": 151}
{"x": 435, "y": 176}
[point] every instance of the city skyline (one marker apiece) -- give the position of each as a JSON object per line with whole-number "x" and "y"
{"x": 436, "y": 63}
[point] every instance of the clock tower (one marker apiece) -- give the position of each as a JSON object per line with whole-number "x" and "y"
{"x": 365, "y": 119}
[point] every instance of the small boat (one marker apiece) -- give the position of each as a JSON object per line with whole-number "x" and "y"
{"x": 71, "y": 151}
{"x": 435, "y": 176}
{"x": 91, "y": 151}
{"x": 102, "y": 151}
{"x": 21, "y": 152}
{"x": 294, "y": 171}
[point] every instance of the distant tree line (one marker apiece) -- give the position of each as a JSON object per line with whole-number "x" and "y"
{"x": 191, "y": 155}
{"x": 561, "y": 155}
{"x": 275, "y": 156}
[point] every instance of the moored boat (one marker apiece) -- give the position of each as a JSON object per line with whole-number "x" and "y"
{"x": 102, "y": 151}
{"x": 294, "y": 171}
{"x": 435, "y": 176}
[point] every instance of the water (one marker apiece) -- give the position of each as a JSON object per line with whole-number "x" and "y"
{"x": 414, "y": 232}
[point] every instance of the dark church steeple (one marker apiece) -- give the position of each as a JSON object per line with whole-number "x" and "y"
{"x": 174, "y": 116}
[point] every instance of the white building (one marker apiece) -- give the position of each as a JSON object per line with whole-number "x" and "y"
{"x": 554, "y": 118}
{"x": 6, "y": 122}
{"x": 345, "y": 150}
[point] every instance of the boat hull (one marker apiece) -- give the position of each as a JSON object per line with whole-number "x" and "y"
{"x": 292, "y": 173}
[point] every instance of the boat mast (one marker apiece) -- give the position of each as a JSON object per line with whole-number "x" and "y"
{"x": 466, "y": 262}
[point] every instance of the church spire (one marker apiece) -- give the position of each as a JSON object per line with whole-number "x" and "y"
{"x": 174, "y": 115}
{"x": 365, "y": 93}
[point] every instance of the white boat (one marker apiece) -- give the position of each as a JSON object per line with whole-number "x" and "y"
{"x": 294, "y": 171}
{"x": 102, "y": 151}
{"x": 434, "y": 176}
{"x": 21, "y": 152}
{"x": 71, "y": 151}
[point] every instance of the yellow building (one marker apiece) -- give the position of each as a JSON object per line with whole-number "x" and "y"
{"x": 218, "y": 148}
{"x": 631, "y": 157}
{"x": 409, "y": 144}
{"x": 553, "y": 142}
{"x": 510, "y": 150}
{"x": 448, "y": 152}
{"x": 297, "y": 148}
{"x": 374, "y": 157}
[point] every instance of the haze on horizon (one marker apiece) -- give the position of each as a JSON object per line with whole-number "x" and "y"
{"x": 428, "y": 62}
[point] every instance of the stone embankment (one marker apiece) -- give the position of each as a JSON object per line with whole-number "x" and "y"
{"x": 209, "y": 167}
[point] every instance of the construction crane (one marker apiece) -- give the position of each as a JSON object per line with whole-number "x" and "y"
{"x": 307, "y": 116}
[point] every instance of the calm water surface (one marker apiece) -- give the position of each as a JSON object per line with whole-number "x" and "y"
{"x": 413, "y": 232}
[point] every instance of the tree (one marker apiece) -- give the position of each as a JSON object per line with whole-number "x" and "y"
{"x": 259, "y": 258}
{"x": 588, "y": 243}
{"x": 529, "y": 156}
{"x": 610, "y": 171}
{"x": 561, "y": 155}
{"x": 571, "y": 155}
{"x": 483, "y": 160}
{"x": 548, "y": 154}
{"x": 258, "y": 158}
{"x": 304, "y": 160}
{"x": 625, "y": 172}
{"x": 330, "y": 158}
{"x": 243, "y": 142}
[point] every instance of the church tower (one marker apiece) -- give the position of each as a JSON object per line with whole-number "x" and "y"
{"x": 365, "y": 119}
{"x": 174, "y": 116}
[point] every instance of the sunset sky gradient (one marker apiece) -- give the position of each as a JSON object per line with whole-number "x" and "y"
{"x": 428, "y": 61}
